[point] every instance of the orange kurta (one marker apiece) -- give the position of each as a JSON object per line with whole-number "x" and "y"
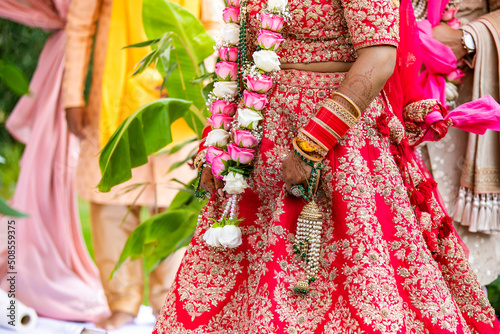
{"x": 155, "y": 185}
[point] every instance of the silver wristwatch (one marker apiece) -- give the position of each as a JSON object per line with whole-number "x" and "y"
{"x": 468, "y": 42}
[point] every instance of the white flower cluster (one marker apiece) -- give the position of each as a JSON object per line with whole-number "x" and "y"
{"x": 248, "y": 118}
{"x": 228, "y": 236}
{"x": 235, "y": 183}
{"x": 278, "y": 7}
{"x": 266, "y": 60}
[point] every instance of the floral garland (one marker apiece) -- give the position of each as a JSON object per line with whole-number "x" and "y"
{"x": 236, "y": 132}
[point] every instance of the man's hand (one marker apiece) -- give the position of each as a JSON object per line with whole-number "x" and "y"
{"x": 450, "y": 37}
{"x": 209, "y": 183}
{"x": 77, "y": 121}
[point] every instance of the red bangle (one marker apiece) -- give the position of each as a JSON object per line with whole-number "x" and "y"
{"x": 334, "y": 122}
{"x": 321, "y": 134}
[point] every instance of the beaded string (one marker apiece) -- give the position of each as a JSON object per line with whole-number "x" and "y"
{"x": 242, "y": 42}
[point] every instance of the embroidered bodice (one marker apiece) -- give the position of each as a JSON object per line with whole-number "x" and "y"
{"x": 331, "y": 30}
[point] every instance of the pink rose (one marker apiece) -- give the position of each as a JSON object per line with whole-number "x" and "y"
{"x": 240, "y": 155}
{"x": 231, "y": 14}
{"x": 232, "y": 3}
{"x": 449, "y": 14}
{"x": 244, "y": 138}
{"x": 220, "y": 121}
{"x": 454, "y": 23}
{"x": 218, "y": 166}
{"x": 272, "y": 22}
{"x": 212, "y": 152}
{"x": 254, "y": 100}
{"x": 226, "y": 70}
{"x": 455, "y": 76}
{"x": 223, "y": 107}
{"x": 228, "y": 53}
{"x": 269, "y": 40}
{"x": 259, "y": 85}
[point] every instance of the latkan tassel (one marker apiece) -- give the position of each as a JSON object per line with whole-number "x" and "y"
{"x": 495, "y": 220}
{"x": 307, "y": 244}
{"x": 302, "y": 287}
{"x": 458, "y": 210}
{"x": 467, "y": 210}
{"x": 474, "y": 214}
{"x": 482, "y": 218}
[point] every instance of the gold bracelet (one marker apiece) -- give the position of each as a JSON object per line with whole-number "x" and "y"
{"x": 340, "y": 112}
{"x": 200, "y": 159}
{"x": 305, "y": 155}
{"x": 351, "y": 102}
{"x": 307, "y": 145}
{"x": 306, "y": 136}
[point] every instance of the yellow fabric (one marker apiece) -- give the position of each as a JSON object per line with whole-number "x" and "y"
{"x": 123, "y": 94}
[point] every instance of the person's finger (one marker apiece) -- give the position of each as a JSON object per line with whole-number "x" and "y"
{"x": 219, "y": 185}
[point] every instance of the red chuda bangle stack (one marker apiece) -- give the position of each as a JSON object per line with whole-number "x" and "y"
{"x": 330, "y": 124}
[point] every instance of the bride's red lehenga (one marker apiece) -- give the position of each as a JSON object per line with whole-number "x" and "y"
{"x": 390, "y": 259}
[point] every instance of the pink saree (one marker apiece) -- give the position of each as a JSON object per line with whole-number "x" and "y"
{"x": 55, "y": 274}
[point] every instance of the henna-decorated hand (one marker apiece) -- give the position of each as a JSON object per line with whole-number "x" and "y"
{"x": 209, "y": 183}
{"x": 295, "y": 171}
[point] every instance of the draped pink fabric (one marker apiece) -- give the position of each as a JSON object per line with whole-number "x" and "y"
{"x": 55, "y": 274}
{"x": 438, "y": 59}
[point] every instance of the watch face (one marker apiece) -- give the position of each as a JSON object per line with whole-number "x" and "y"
{"x": 469, "y": 42}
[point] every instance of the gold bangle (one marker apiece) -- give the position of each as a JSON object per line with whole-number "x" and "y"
{"x": 304, "y": 135}
{"x": 340, "y": 112}
{"x": 200, "y": 159}
{"x": 302, "y": 142}
{"x": 305, "y": 155}
{"x": 350, "y": 101}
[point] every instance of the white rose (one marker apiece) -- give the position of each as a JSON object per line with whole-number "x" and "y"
{"x": 230, "y": 236}
{"x": 278, "y": 5}
{"x": 266, "y": 60}
{"x": 224, "y": 89}
{"x": 217, "y": 137}
{"x": 248, "y": 118}
{"x": 235, "y": 183}
{"x": 230, "y": 33}
{"x": 212, "y": 236}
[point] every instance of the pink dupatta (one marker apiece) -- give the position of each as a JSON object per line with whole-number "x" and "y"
{"x": 55, "y": 274}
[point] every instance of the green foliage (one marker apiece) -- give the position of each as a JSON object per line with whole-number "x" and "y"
{"x": 6, "y": 210}
{"x": 184, "y": 42}
{"x": 144, "y": 132}
{"x": 19, "y": 45}
{"x": 494, "y": 295}
{"x": 180, "y": 45}
{"x": 163, "y": 234}
{"x": 14, "y": 78}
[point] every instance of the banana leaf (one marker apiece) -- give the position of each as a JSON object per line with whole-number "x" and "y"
{"x": 144, "y": 132}
{"x": 191, "y": 44}
{"x": 163, "y": 234}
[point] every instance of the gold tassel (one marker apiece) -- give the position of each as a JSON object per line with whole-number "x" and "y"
{"x": 307, "y": 242}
